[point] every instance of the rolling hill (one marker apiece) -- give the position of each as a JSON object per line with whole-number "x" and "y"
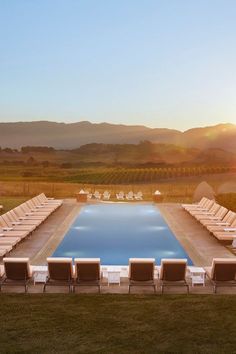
{"x": 73, "y": 135}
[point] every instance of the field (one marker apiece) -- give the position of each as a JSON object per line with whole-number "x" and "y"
{"x": 62, "y": 174}
{"x": 178, "y": 189}
{"x": 117, "y": 324}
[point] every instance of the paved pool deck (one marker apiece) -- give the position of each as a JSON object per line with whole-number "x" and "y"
{"x": 197, "y": 241}
{"x": 200, "y": 245}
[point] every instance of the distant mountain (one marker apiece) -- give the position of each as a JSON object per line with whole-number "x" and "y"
{"x": 71, "y": 136}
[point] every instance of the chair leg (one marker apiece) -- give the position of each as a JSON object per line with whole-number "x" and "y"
{"x": 99, "y": 289}
{"x": 215, "y": 288}
{"x": 162, "y": 288}
{"x": 129, "y": 288}
{"x": 44, "y": 287}
{"x": 187, "y": 288}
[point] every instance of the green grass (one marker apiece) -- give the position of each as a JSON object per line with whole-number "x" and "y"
{"x": 11, "y": 202}
{"x": 117, "y": 324}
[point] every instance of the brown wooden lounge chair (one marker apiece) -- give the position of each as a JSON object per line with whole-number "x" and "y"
{"x": 222, "y": 272}
{"x": 141, "y": 272}
{"x": 60, "y": 272}
{"x": 87, "y": 272}
{"x": 17, "y": 272}
{"x": 173, "y": 273}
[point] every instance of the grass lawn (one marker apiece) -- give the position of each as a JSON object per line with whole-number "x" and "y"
{"x": 11, "y": 202}
{"x": 117, "y": 324}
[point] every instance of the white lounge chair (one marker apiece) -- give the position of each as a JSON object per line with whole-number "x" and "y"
{"x": 130, "y": 196}
{"x": 106, "y": 195}
{"x": 120, "y": 195}
{"x": 97, "y": 195}
{"x": 138, "y": 196}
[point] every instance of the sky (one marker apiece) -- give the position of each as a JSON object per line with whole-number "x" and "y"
{"x": 159, "y": 63}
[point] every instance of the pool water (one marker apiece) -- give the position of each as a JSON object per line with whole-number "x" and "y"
{"x": 116, "y": 232}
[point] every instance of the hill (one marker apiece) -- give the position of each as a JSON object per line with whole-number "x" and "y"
{"x": 71, "y": 136}
{"x": 144, "y": 153}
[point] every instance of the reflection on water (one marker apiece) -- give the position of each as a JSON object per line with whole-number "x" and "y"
{"x": 116, "y": 232}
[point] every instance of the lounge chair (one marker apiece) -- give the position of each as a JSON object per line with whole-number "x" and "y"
{"x": 130, "y": 196}
{"x": 200, "y": 204}
{"x": 29, "y": 209}
{"x": 224, "y": 229}
{"x": 97, "y": 195}
{"x": 87, "y": 272}
{"x": 120, "y": 195}
{"x": 207, "y": 206}
{"x": 7, "y": 225}
{"x": 224, "y": 226}
{"x": 36, "y": 205}
{"x": 43, "y": 200}
{"x": 206, "y": 214}
{"x": 222, "y": 272}
{"x": 17, "y": 272}
{"x": 141, "y": 272}
{"x": 26, "y": 215}
{"x": 11, "y": 233}
{"x": 173, "y": 273}
{"x": 219, "y": 215}
{"x": 138, "y": 196}
{"x": 227, "y": 221}
{"x": 225, "y": 236}
{"x": 12, "y": 241}
{"x": 49, "y": 201}
{"x": 202, "y": 207}
{"x": 14, "y": 219}
{"x": 60, "y": 272}
{"x": 106, "y": 195}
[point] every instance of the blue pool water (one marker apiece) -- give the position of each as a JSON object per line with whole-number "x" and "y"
{"x": 116, "y": 232}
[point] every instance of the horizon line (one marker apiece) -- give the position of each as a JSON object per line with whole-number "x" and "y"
{"x": 115, "y": 124}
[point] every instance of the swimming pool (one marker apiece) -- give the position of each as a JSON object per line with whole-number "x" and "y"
{"x": 116, "y": 232}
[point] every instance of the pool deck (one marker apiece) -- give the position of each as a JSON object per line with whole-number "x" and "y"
{"x": 198, "y": 243}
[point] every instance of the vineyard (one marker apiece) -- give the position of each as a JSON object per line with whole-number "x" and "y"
{"x": 141, "y": 175}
